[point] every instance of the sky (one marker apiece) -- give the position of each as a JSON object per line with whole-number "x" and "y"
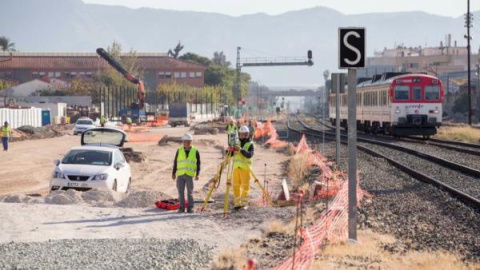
{"x": 450, "y": 8}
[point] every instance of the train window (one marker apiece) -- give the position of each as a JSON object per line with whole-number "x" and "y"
{"x": 402, "y": 92}
{"x": 432, "y": 92}
{"x": 417, "y": 93}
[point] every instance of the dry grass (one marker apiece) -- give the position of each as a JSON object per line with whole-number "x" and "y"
{"x": 369, "y": 254}
{"x": 277, "y": 227}
{"x": 230, "y": 259}
{"x": 298, "y": 169}
{"x": 463, "y": 134}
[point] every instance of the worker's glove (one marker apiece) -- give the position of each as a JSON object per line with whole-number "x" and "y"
{"x": 196, "y": 178}
{"x": 236, "y": 148}
{"x": 173, "y": 176}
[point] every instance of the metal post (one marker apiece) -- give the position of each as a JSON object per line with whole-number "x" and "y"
{"x": 352, "y": 154}
{"x": 468, "y": 61}
{"x": 477, "y": 88}
{"x": 339, "y": 82}
{"x": 101, "y": 102}
{"x": 238, "y": 90}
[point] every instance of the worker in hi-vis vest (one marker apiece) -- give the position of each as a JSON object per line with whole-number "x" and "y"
{"x": 186, "y": 167}
{"x": 103, "y": 120}
{"x": 242, "y": 166}
{"x": 6, "y": 133}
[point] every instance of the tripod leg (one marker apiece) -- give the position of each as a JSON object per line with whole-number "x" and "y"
{"x": 265, "y": 193}
{"x": 227, "y": 190}
{"x": 215, "y": 180}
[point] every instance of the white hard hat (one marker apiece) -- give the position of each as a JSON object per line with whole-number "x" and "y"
{"x": 244, "y": 129}
{"x": 187, "y": 137}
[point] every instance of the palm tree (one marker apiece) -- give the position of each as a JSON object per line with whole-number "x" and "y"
{"x": 176, "y": 51}
{"x": 6, "y": 45}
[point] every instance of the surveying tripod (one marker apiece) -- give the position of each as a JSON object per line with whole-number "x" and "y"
{"x": 227, "y": 165}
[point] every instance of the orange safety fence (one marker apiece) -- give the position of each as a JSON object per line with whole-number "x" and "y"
{"x": 267, "y": 129}
{"x": 332, "y": 224}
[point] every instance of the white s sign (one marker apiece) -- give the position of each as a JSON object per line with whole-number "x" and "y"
{"x": 357, "y": 52}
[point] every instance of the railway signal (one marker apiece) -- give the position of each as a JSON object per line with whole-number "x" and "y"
{"x": 352, "y": 56}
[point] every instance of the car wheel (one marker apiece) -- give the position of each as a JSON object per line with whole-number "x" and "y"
{"x": 114, "y": 187}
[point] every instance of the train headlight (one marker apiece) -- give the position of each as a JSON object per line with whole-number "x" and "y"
{"x": 434, "y": 111}
{"x": 397, "y": 110}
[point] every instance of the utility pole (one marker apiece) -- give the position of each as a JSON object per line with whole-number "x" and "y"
{"x": 238, "y": 91}
{"x": 468, "y": 19}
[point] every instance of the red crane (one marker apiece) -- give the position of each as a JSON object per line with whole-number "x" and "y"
{"x": 141, "y": 90}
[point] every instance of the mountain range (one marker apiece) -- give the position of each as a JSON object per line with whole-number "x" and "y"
{"x": 73, "y": 26}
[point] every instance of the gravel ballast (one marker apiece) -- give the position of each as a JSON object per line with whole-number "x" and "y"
{"x": 420, "y": 216}
{"x": 106, "y": 254}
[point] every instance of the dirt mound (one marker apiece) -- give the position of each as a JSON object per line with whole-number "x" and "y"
{"x": 202, "y": 129}
{"x": 64, "y": 197}
{"x": 29, "y": 132}
{"x": 133, "y": 156}
{"x": 140, "y": 199}
{"x": 93, "y": 197}
{"x": 166, "y": 139}
{"x": 20, "y": 199}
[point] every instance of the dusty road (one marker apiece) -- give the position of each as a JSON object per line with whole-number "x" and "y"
{"x": 27, "y": 167}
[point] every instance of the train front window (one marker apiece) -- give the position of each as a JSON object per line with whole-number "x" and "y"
{"x": 432, "y": 92}
{"x": 417, "y": 93}
{"x": 402, "y": 92}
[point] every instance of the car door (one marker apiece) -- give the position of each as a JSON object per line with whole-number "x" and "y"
{"x": 126, "y": 169}
{"x": 119, "y": 165}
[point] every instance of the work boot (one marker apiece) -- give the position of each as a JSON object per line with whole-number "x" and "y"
{"x": 181, "y": 210}
{"x": 190, "y": 211}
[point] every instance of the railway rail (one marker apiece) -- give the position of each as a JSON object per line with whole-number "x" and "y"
{"x": 461, "y": 181}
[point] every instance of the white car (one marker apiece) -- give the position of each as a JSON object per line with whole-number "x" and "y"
{"x": 97, "y": 164}
{"x": 83, "y": 124}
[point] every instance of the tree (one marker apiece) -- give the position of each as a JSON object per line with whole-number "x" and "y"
{"x": 220, "y": 59}
{"x": 6, "y": 45}
{"x": 195, "y": 58}
{"x": 176, "y": 51}
{"x": 461, "y": 104}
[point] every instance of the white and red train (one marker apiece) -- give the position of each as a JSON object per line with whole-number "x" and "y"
{"x": 395, "y": 103}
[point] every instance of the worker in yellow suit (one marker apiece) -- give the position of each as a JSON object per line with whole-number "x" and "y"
{"x": 242, "y": 165}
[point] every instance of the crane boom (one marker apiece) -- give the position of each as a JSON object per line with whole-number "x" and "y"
{"x": 115, "y": 64}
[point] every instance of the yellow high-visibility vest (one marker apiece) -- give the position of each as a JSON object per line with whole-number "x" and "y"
{"x": 231, "y": 128}
{"x": 187, "y": 165}
{"x": 5, "y": 132}
{"x": 239, "y": 161}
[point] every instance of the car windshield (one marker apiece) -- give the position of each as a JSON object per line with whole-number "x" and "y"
{"x": 103, "y": 136}
{"x": 88, "y": 157}
{"x": 84, "y": 122}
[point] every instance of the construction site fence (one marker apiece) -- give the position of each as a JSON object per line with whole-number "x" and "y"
{"x": 116, "y": 98}
{"x": 333, "y": 223}
{"x": 21, "y": 117}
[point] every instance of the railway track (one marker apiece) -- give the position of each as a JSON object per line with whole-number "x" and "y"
{"x": 461, "y": 181}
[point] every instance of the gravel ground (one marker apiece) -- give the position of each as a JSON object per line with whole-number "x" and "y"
{"x": 106, "y": 254}
{"x": 465, "y": 183}
{"x": 419, "y": 215}
{"x": 465, "y": 159}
